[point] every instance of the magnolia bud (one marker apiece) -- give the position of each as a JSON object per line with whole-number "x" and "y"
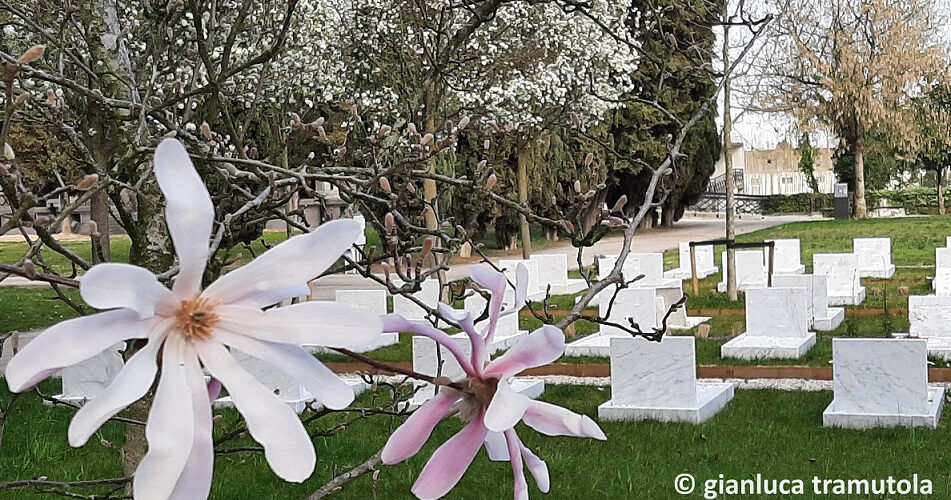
{"x": 217, "y": 418}
{"x": 33, "y": 54}
{"x": 426, "y": 139}
{"x": 486, "y": 144}
{"x": 385, "y": 185}
{"x": 482, "y": 164}
{"x": 575, "y": 119}
{"x": 22, "y": 98}
{"x": 206, "y": 130}
{"x": 342, "y": 151}
{"x": 318, "y": 122}
{"x": 490, "y": 182}
{"x": 87, "y": 182}
{"x": 323, "y": 134}
{"x": 620, "y": 203}
{"x": 577, "y": 186}
{"x": 411, "y": 127}
{"x": 463, "y": 122}
{"x": 569, "y": 225}
{"x": 8, "y": 152}
{"x": 589, "y": 159}
{"x": 50, "y": 97}
{"x": 411, "y": 188}
{"x": 385, "y": 129}
{"x": 388, "y": 223}
{"x": 386, "y": 270}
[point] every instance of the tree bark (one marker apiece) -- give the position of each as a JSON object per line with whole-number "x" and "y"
{"x": 526, "y": 232}
{"x": 858, "y": 164}
{"x": 99, "y": 213}
{"x": 939, "y": 180}
{"x": 728, "y": 180}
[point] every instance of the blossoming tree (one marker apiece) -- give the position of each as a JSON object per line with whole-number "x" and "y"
{"x": 257, "y": 98}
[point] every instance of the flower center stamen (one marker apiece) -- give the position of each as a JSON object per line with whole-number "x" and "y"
{"x": 196, "y": 318}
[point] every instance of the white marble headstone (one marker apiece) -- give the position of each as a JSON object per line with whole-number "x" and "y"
{"x": 880, "y": 376}
{"x": 637, "y": 304}
{"x": 651, "y": 265}
{"x": 776, "y": 312}
{"x": 704, "y": 257}
{"x": 428, "y": 294}
{"x": 552, "y": 269}
{"x": 787, "y": 256}
{"x": 817, "y": 299}
{"x": 534, "y": 284}
{"x": 654, "y": 374}
{"x": 875, "y": 256}
{"x": 87, "y": 379}
{"x": 841, "y": 271}
{"x": 942, "y": 258}
{"x": 929, "y": 316}
{"x": 372, "y": 300}
{"x": 750, "y": 270}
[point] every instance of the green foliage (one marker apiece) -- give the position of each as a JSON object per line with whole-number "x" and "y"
{"x": 883, "y": 164}
{"x": 681, "y": 53}
{"x": 807, "y": 161}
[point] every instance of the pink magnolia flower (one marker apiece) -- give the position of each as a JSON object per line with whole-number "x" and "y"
{"x": 489, "y": 405}
{"x": 193, "y": 330}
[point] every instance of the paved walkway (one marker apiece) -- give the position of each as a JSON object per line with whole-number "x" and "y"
{"x": 653, "y": 240}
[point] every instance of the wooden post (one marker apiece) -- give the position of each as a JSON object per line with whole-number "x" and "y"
{"x": 769, "y": 276}
{"x": 693, "y": 270}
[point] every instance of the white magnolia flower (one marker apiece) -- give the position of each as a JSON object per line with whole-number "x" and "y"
{"x": 190, "y": 329}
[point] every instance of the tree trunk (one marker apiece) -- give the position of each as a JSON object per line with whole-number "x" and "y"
{"x": 99, "y": 213}
{"x": 523, "y": 159}
{"x": 135, "y": 444}
{"x": 730, "y": 263}
{"x": 667, "y": 216}
{"x": 939, "y": 180}
{"x": 861, "y": 209}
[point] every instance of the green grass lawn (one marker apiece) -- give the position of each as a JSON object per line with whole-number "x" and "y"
{"x": 773, "y": 433}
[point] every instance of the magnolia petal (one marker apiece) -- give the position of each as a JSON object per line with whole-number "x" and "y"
{"x": 298, "y": 364}
{"x": 71, "y": 342}
{"x": 495, "y": 282}
{"x": 450, "y": 461}
{"x": 553, "y": 420}
{"x": 189, "y": 214}
{"x": 195, "y": 481}
{"x": 464, "y": 320}
{"x": 280, "y": 272}
{"x": 112, "y": 285}
{"x": 538, "y": 348}
{"x": 131, "y": 383}
{"x": 537, "y": 467}
{"x": 521, "y": 288}
{"x": 396, "y": 323}
{"x": 407, "y": 440}
{"x": 521, "y": 486}
{"x": 496, "y": 447}
{"x": 506, "y": 408}
{"x": 169, "y": 435}
{"x": 287, "y": 446}
{"x": 308, "y": 323}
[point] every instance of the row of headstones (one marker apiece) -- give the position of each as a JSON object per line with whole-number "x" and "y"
{"x": 876, "y": 383}
{"x": 870, "y": 257}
